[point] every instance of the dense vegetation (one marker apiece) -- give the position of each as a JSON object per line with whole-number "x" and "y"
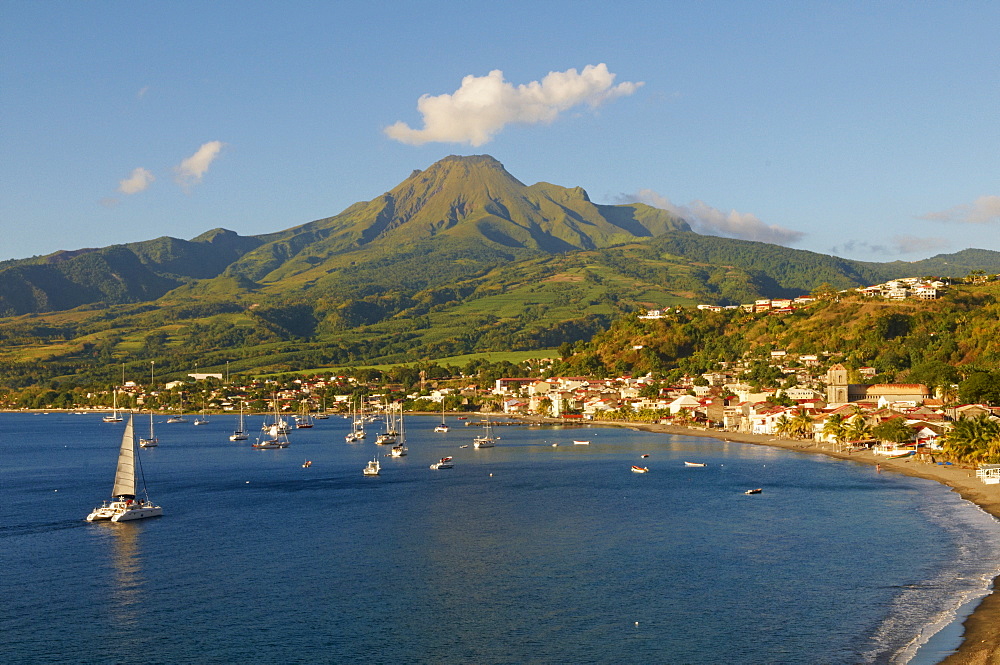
{"x": 457, "y": 259}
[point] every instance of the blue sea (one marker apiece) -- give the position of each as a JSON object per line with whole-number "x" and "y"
{"x": 523, "y": 553}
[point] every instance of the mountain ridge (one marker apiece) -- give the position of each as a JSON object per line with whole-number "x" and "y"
{"x": 459, "y": 257}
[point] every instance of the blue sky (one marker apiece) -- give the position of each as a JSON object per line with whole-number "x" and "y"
{"x": 870, "y": 130}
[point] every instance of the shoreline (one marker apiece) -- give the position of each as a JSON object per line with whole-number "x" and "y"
{"x": 981, "y": 629}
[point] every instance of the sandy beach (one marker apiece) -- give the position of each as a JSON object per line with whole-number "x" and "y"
{"x": 981, "y": 640}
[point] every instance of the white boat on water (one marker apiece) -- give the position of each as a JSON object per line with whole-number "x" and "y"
{"x": 372, "y": 468}
{"x": 391, "y": 435}
{"x": 125, "y": 504}
{"x": 443, "y": 427}
{"x": 322, "y": 415}
{"x": 581, "y": 443}
{"x": 115, "y": 417}
{"x": 277, "y": 437}
{"x": 152, "y": 441}
{"x": 443, "y": 463}
{"x": 640, "y": 469}
{"x": 487, "y": 440}
{"x": 400, "y": 449}
{"x": 695, "y": 464}
{"x": 240, "y": 434}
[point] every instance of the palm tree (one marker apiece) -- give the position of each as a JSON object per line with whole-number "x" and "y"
{"x": 858, "y": 429}
{"x": 975, "y": 440}
{"x": 802, "y": 423}
{"x": 893, "y": 430}
{"x": 835, "y": 427}
{"x": 783, "y": 426}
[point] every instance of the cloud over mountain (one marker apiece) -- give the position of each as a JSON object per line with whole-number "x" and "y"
{"x": 484, "y": 105}
{"x": 707, "y": 220}
{"x": 137, "y": 181}
{"x": 191, "y": 170}
{"x": 984, "y": 210}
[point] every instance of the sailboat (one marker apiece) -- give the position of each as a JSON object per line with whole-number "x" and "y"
{"x": 124, "y": 504}
{"x": 442, "y": 427}
{"x": 241, "y": 433}
{"x": 277, "y": 435}
{"x": 400, "y": 449}
{"x": 352, "y": 435}
{"x": 305, "y": 420}
{"x": 322, "y": 415}
{"x": 202, "y": 419}
{"x": 152, "y": 441}
{"x": 486, "y": 440}
{"x": 115, "y": 417}
{"x": 390, "y": 435}
{"x": 179, "y": 418}
{"x": 359, "y": 422}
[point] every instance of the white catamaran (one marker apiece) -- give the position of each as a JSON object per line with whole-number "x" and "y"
{"x": 125, "y": 504}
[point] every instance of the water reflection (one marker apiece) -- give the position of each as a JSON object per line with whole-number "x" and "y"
{"x": 127, "y": 580}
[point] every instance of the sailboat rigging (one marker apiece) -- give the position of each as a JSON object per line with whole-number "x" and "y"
{"x": 125, "y": 504}
{"x": 241, "y": 433}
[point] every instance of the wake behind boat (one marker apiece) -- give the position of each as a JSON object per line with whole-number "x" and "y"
{"x": 124, "y": 505}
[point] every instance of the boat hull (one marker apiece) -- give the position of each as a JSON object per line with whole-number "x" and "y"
{"x": 118, "y": 511}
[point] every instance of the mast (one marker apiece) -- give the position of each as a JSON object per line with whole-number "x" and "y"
{"x": 125, "y": 474}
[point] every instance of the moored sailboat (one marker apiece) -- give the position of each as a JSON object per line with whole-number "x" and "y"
{"x": 241, "y": 433}
{"x": 486, "y": 440}
{"x": 152, "y": 441}
{"x": 443, "y": 427}
{"x": 125, "y": 504}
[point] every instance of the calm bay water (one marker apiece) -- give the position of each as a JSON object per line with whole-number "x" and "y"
{"x": 561, "y": 555}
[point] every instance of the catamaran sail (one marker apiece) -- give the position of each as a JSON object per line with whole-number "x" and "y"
{"x": 125, "y": 504}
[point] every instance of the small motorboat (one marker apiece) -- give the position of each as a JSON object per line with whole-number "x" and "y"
{"x": 443, "y": 463}
{"x": 644, "y": 456}
{"x": 308, "y": 463}
{"x": 581, "y": 443}
{"x": 372, "y": 469}
{"x": 756, "y": 491}
{"x": 699, "y": 464}
{"x": 640, "y": 469}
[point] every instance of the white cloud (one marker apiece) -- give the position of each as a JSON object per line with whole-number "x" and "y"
{"x": 137, "y": 181}
{"x": 484, "y": 105}
{"x": 984, "y": 210}
{"x": 707, "y": 220}
{"x": 191, "y": 170}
